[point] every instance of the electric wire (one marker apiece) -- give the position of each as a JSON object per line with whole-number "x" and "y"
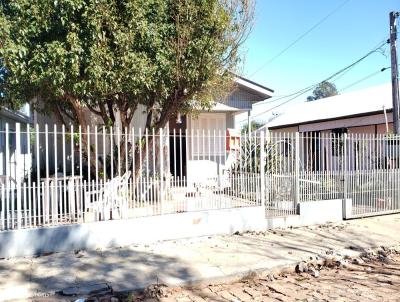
{"x": 300, "y": 37}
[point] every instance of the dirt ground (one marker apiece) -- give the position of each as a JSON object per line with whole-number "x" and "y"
{"x": 371, "y": 278}
{"x": 375, "y": 279}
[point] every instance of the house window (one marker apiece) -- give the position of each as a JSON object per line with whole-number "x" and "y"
{"x": 287, "y": 147}
{"x": 12, "y": 141}
{"x": 337, "y": 141}
{"x": 24, "y": 143}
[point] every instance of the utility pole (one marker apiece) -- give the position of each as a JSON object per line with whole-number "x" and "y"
{"x": 395, "y": 74}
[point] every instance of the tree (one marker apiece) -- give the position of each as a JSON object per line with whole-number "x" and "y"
{"x": 112, "y": 55}
{"x": 254, "y": 126}
{"x": 323, "y": 90}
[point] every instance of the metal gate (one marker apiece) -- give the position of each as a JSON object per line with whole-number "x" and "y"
{"x": 373, "y": 192}
{"x": 362, "y": 169}
{"x": 372, "y": 174}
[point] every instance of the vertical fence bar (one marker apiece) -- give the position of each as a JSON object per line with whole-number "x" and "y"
{"x": 147, "y": 159}
{"x": 161, "y": 171}
{"x": 119, "y": 150}
{"x": 133, "y": 168}
{"x": 344, "y": 175}
{"x": 29, "y": 154}
{"x": 262, "y": 168}
{"x": 47, "y": 183}
{"x": 88, "y": 156}
{"x": 3, "y": 208}
{"x": 297, "y": 169}
{"x": 81, "y": 187}
{"x": 75, "y": 192}
{"x": 34, "y": 204}
{"x": 153, "y": 154}
{"x": 140, "y": 180}
{"x": 111, "y": 152}
{"x": 126, "y": 135}
{"x": 18, "y": 178}
{"x": 25, "y": 209}
{"x": 66, "y": 207}
{"x": 96, "y": 157}
{"x": 55, "y": 196}
{"x": 8, "y": 177}
{"x": 37, "y": 155}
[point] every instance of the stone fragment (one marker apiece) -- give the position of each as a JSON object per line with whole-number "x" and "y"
{"x": 313, "y": 272}
{"x": 358, "y": 261}
{"x": 156, "y": 291}
{"x": 301, "y": 267}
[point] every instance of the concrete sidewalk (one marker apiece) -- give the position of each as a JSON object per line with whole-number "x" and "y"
{"x": 190, "y": 260}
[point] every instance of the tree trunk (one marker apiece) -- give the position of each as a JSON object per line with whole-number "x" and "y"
{"x": 160, "y": 124}
{"x": 80, "y": 115}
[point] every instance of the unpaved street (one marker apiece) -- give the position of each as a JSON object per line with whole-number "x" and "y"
{"x": 373, "y": 280}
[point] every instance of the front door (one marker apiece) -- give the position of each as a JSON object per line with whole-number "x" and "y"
{"x": 177, "y": 148}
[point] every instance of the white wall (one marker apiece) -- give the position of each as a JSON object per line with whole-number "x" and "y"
{"x": 24, "y": 159}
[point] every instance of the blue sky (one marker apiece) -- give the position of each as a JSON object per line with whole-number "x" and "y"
{"x": 351, "y": 32}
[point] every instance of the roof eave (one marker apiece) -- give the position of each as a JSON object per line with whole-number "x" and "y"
{"x": 255, "y": 88}
{"x": 15, "y": 115}
{"x": 274, "y": 127}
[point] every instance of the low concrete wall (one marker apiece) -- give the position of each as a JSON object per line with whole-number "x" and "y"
{"x": 116, "y": 233}
{"x": 312, "y": 212}
{"x": 321, "y": 211}
{"x": 348, "y": 209}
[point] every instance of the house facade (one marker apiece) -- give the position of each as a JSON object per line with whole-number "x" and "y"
{"x": 194, "y": 142}
{"x": 365, "y": 116}
{"x": 364, "y": 111}
{"x": 207, "y": 132}
{"x": 9, "y": 155}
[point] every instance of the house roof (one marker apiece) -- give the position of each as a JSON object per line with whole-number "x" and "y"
{"x": 17, "y": 116}
{"x": 253, "y": 87}
{"x": 356, "y": 103}
{"x": 220, "y": 107}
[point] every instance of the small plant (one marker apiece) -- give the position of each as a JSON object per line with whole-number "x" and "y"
{"x": 74, "y": 137}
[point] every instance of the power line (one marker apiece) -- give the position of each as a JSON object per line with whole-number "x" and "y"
{"x": 309, "y": 88}
{"x": 347, "y": 87}
{"x": 377, "y": 47}
{"x": 336, "y": 74}
{"x": 281, "y": 104}
{"x": 364, "y": 78}
{"x": 300, "y": 37}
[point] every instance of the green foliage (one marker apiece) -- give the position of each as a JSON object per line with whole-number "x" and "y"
{"x": 108, "y": 55}
{"x": 250, "y": 156}
{"x": 253, "y": 126}
{"x": 323, "y": 90}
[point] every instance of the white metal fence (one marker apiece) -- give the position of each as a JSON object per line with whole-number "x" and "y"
{"x": 363, "y": 168}
{"x": 60, "y": 175}
{"x": 56, "y": 175}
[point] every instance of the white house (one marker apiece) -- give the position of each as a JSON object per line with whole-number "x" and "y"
{"x": 11, "y": 118}
{"x": 361, "y": 114}
{"x": 194, "y": 140}
{"x": 362, "y": 111}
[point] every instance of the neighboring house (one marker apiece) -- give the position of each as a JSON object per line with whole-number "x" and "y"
{"x": 11, "y": 118}
{"x": 321, "y": 123}
{"x": 360, "y": 111}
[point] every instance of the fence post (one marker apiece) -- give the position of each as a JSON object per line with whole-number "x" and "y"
{"x": 297, "y": 170}
{"x": 8, "y": 178}
{"x": 344, "y": 174}
{"x": 262, "y": 168}
{"x": 161, "y": 171}
{"x": 17, "y": 172}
